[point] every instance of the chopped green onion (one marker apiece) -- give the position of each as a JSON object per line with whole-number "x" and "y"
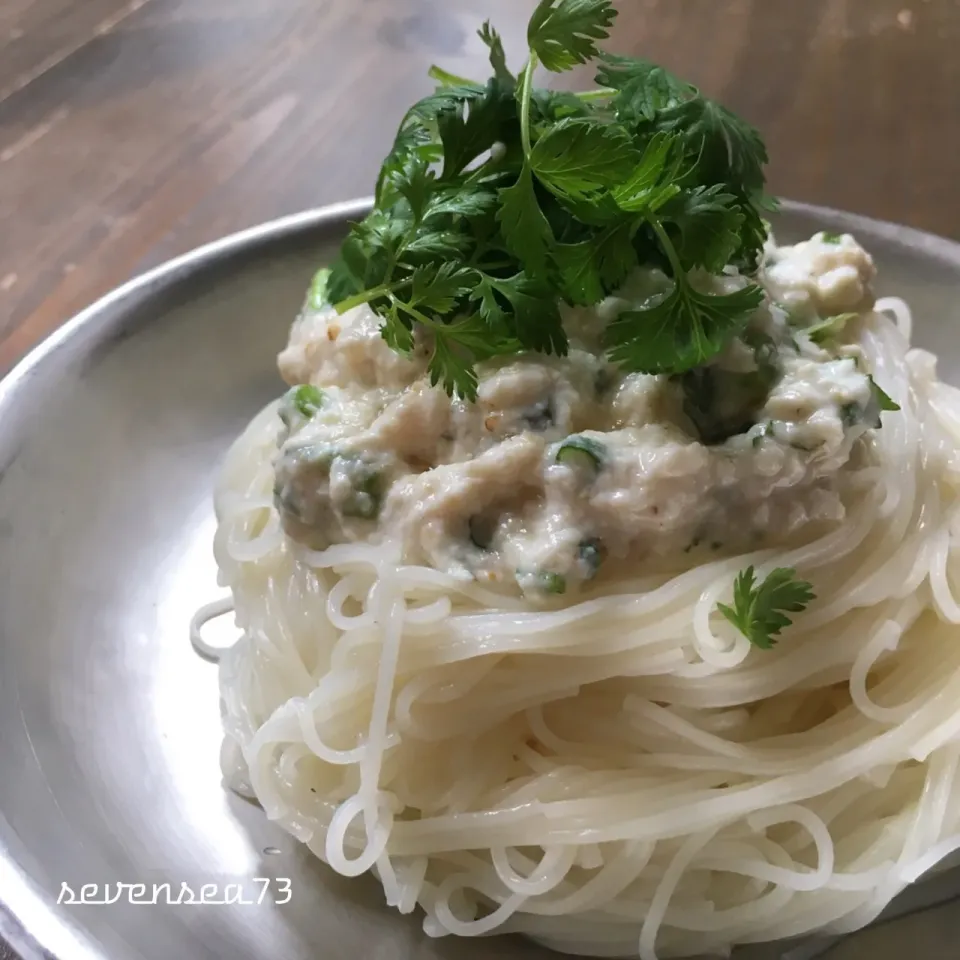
{"x": 304, "y": 400}
{"x": 591, "y": 554}
{"x": 827, "y": 237}
{"x": 851, "y": 414}
{"x": 581, "y": 451}
{"x": 541, "y": 581}
{"x": 307, "y": 399}
{"x": 553, "y": 583}
{"x": 366, "y": 499}
{"x": 481, "y": 529}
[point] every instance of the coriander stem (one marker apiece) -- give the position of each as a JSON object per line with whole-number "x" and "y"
{"x": 488, "y": 169}
{"x": 413, "y": 312}
{"x": 449, "y": 79}
{"x": 526, "y": 87}
{"x": 365, "y": 296}
{"x": 601, "y": 93}
{"x": 668, "y": 249}
{"x": 496, "y": 265}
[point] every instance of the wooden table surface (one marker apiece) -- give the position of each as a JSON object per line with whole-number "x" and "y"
{"x": 132, "y": 130}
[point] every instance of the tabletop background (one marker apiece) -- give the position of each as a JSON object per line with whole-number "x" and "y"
{"x": 133, "y": 130}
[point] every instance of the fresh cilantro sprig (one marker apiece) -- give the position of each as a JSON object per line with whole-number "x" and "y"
{"x": 500, "y": 201}
{"x": 759, "y": 610}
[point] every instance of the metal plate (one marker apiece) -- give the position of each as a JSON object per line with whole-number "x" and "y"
{"x": 110, "y": 437}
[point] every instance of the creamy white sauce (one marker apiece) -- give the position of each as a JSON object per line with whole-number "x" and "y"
{"x": 824, "y": 275}
{"x": 495, "y": 491}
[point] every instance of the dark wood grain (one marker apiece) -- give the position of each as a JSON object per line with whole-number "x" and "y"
{"x": 131, "y": 130}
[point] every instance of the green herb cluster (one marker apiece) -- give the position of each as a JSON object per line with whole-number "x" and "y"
{"x": 499, "y": 201}
{"x": 760, "y": 610}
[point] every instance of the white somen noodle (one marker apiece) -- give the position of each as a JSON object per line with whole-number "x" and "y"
{"x": 625, "y": 773}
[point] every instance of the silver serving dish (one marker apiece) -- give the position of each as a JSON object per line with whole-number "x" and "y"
{"x": 110, "y": 436}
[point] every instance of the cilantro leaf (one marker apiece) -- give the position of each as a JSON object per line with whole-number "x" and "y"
{"x": 682, "y": 330}
{"x": 563, "y": 33}
{"x": 472, "y": 126}
{"x": 344, "y": 282}
{"x": 881, "y": 398}
{"x": 652, "y": 182}
{"x": 382, "y": 231}
{"x": 397, "y": 330}
{"x": 498, "y": 58}
{"x": 412, "y": 179}
{"x": 725, "y": 148}
{"x": 498, "y": 201}
{"x": 525, "y": 229}
{"x": 753, "y": 234}
{"x": 759, "y": 610}
{"x": 616, "y": 255}
{"x": 577, "y": 157}
{"x": 550, "y": 106}
{"x": 533, "y": 315}
{"x": 493, "y": 309}
{"x": 413, "y": 140}
{"x": 438, "y": 288}
{"x": 443, "y": 243}
{"x": 579, "y": 267}
{"x": 536, "y": 315}
{"x": 475, "y": 202}
{"x": 482, "y": 339}
{"x": 450, "y": 97}
{"x": 642, "y": 88}
{"x": 826, "y": 330}
{"x": 592, "y": 268}
{"x": 457, "y": 347}
{"x": 447, "y": 367}
{"x": 708, "y": 221}
{"x": 364, "y": 259}
{"x": 880, "y": 402}
{"x": 598, "y": 210}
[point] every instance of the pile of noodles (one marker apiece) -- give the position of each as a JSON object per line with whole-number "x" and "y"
{"x": 624, "y": 773}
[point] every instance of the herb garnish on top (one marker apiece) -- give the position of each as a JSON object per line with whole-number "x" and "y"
{"x": 499, "y": 201}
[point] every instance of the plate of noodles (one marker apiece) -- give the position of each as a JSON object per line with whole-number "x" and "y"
{"x": 557, "y": 551}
